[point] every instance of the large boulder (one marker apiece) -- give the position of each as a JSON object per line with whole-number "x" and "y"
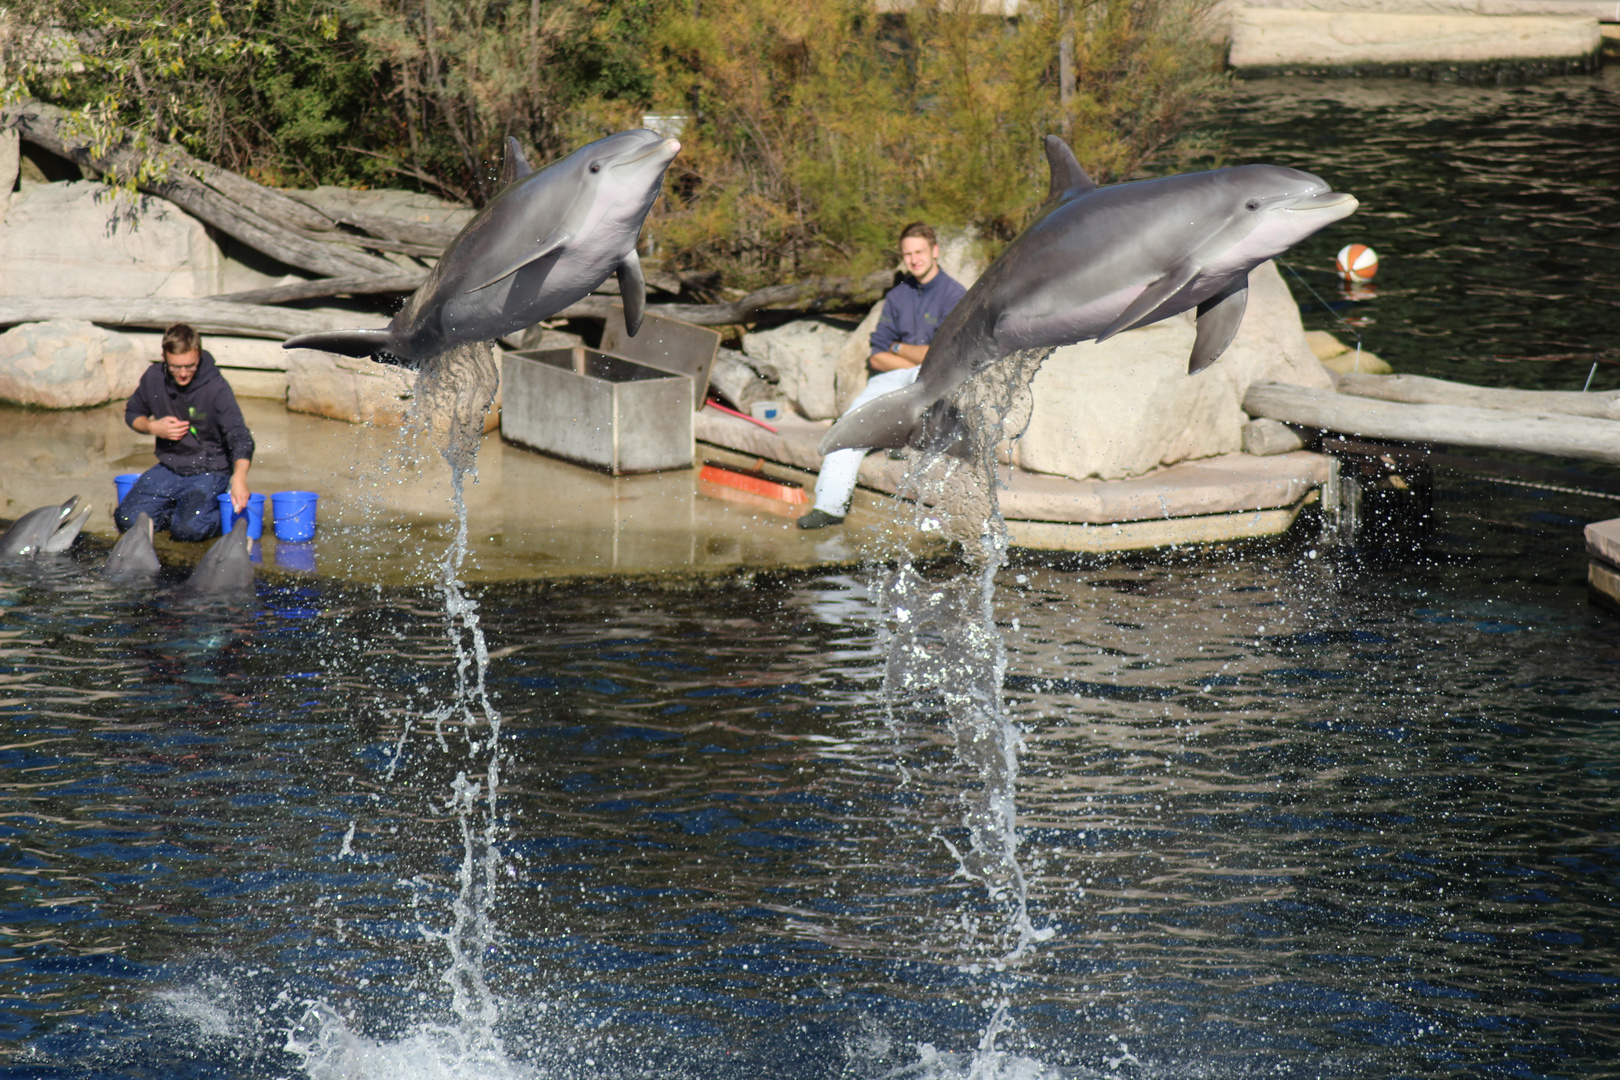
{"x": 67, "y": 365}
{"x": 803, "y": 355}
{"x": 79, "y": 238}
{"x": 1127, "y": 406}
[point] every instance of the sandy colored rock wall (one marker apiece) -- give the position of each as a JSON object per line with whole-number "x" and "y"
{"x": 1270, "y": 38}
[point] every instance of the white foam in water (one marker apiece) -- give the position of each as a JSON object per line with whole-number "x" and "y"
{"x": 328, "y": 1050}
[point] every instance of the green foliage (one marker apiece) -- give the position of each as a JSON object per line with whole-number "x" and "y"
{"x": 814, "y": 128}
{"x": 820, "y": 127}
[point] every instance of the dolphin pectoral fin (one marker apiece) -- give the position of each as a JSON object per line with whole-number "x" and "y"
{"x": 633, "y": 291}
{"x": 554, "y": 242}
{"x": 1218, "y": 320}
{"x": 343, "y": 342}
{"x": 1068, "y": 178}
{"x": 514, "y": 166}
{"x": 887, "y": 421}
{"x": 1152, "y": 298}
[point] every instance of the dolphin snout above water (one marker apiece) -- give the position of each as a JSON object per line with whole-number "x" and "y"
{"x": 1098, "y": 261}
{"x": 225, "y": 571}
{"x": 546, "y": 241}
{"x": 133, "y": 558}
{"x": 49, "y": 530}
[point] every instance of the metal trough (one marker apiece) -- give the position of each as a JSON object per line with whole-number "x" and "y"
{"x": 594, "y": 409}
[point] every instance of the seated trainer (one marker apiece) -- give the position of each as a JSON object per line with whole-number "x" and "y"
{"x": 912, "y": 311}
{"x": 203, "y": 447}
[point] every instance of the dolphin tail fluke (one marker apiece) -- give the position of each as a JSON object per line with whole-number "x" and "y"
{"x": 343, "y": 342}
{"x": 888, "y": 421}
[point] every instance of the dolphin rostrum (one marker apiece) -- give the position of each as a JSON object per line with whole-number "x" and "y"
{"x": 547, "y": 240}
{"x": 49, "y": 530}
{"x": 1098, "y": 261}
{"x": 225, "y": 571}
{"x": 133, "y": 558}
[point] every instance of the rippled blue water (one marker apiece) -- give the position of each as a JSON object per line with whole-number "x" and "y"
{"x": 1288, "y": 814}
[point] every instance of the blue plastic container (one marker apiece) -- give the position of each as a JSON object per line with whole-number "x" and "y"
{"x": 254, "y": 514}
{"x": 294, "y": 514}
{"x": 295, "y": 555}
{"x": 123, "y": 482}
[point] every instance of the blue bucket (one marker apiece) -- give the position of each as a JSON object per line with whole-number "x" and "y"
{"x": 123, "y": 482}
{"x": 294, "y": 514}
{"x": 295, "y": 555}
{"x": 254, "y": 514}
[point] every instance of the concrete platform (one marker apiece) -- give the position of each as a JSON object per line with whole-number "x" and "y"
{"x": 1232, "y": 497}
{"x": 1603, "y": 571}
{"x": 385, "y": 512}
{"x": 1272, "y": 40}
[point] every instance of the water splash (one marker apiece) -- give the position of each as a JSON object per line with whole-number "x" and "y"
{"x": 944, "y": 641}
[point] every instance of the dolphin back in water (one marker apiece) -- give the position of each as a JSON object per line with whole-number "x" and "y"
{"x": 1098, "y": 261}
{"x": 546, "y": 241}
{"x": 49, "y": 530}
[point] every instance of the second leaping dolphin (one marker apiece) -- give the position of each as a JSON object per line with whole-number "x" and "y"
{"x": 1098, "y": 261}
{"x": 546, "y": 241}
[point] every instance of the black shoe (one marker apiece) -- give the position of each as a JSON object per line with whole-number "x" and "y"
{"x": 819, "y": 519}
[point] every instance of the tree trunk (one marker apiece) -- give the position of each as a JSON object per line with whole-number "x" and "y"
{"x": 1420, "y": 390}
{"x": 209, "y": 316}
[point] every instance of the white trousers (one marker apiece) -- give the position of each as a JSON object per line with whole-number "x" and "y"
{"x": 836, "y": 482}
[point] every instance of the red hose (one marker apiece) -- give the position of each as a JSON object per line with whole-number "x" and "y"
{"x": 740, "y": 415}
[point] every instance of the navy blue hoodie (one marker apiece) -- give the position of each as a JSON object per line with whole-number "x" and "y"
{"x": 218, "y": 436}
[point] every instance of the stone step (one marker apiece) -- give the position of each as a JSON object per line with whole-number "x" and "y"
{"x": 1279, "y": 40}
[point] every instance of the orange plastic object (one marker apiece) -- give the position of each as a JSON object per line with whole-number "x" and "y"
{"x": 754, "y": 482}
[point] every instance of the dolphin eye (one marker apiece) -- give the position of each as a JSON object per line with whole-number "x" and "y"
{"x": 597, "y": 167}
{"x": 1252, "y": 204}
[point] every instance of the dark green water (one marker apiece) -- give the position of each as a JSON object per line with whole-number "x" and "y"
{"x": 1495, "y": 212}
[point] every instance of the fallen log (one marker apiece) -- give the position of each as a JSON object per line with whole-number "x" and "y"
{"x": 356, "y": 285}
{"x": 266, "y": 220}
{"x": 209, "y": 316}
{"x": 1420, "y": 390}
{"x": 1561, "y": 435}
{"x": 806, "y": 295}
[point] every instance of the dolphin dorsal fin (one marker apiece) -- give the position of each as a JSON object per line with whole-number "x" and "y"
{"x": 1068, "y": 178}
{"x": 514, "y": 166}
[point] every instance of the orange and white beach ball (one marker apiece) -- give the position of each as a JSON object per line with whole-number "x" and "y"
{"x": 1356, "y": 262}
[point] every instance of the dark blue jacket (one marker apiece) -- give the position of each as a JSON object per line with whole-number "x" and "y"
{"x": 218, "y": 436}
{"x": 912, "y": 312}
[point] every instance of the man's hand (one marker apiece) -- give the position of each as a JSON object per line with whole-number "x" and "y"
{"x": 164, "y": 427}
{"x": 239, "y": 488}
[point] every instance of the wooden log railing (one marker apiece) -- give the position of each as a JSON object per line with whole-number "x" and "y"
{"x": 1561, "y": 435}
{"x": 1420, "y": 390}
{"x": 209, "y": 316}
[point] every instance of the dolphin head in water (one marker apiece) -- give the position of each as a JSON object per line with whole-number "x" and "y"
{"x": 225, "y": 572}
{"x": 547, "y": 240}
{"x": 49, "y": 530}
{"x": 133, "y": 558}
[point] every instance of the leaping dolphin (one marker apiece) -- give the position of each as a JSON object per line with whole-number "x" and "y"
{"x": 225, "y": 571}
{"x": 133, "y": 558}
{"x": 546, "y": 241}
{"x": 49, "y": 530}
{"x": 1099, "y": 261}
